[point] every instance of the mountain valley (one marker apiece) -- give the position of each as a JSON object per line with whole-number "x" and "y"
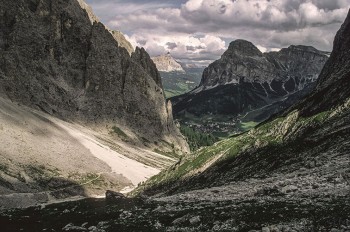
{"x": 177, "y": 78}
{"x": 89, "y": 142}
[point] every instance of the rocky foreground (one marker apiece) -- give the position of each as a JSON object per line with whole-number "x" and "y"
{"x": 301, "y": 201}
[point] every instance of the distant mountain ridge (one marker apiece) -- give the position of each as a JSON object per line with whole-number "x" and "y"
{"x": 245, "y": 79}
{"x": 166, "y": 63}
{"x": 286, "y": 70}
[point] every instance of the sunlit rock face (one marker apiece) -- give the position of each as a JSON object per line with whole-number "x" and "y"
{"x": 166, "y": 63}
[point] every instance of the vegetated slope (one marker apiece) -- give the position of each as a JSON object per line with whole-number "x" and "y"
{"x": 177, "y": 83}
{"x": 300, "y": 158}
{"x": 57, "y": 57}
{"x": 196, "y": 139}
{"x": 244, "y": 80}
{"x": 177, "y": 78}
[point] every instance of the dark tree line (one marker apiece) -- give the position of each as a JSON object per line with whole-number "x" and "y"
{"x": 197, "y": 139}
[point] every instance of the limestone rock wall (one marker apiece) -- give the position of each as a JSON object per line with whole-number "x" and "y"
{"x": 292, "y": 67}
{"x": 56, "y": 56}
{"x": 166, "y": 63}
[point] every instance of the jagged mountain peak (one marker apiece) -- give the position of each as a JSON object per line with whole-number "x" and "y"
{"x": 242, "y": 47}
{"x": 300, "y": 49}
{"x": 93, "y": 18}
{"x": 118, "y": 35}
{"x": 140, "y": 55}
{"x": 303, "y": 48}
{"x": 243, "y": 60}
{"x": 166, "y": 63}
{"x": 122, "y": 41}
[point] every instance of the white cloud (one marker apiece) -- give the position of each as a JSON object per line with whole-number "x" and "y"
{"x": 193, "y": 5}
{"x": 198, "y": 29}
{"x": 261, "y": 48}
{"x": 182, "y": 46}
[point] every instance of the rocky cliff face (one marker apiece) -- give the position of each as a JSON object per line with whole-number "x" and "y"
{"x": 333, "y": 84}
{"x": 245, "y": 80}
{"x": 56, "y": 56}
{"x": 282, "y": 72}
{"x": 166, "y": 63}
{"x": 122, "y": 41}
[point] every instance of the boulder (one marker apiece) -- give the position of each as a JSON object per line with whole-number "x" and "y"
{"x": 114, "y": 196}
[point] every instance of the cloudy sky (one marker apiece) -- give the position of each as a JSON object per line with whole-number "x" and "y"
{"x": 200, "y": 30}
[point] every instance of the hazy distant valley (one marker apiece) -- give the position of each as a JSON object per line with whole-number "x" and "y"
{"x": 177, "y": 83}
{"x": 177, "y": 78}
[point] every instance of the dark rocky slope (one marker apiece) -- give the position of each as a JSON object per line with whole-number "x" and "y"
{"x": 245, "y": 79}
{"x": 57, "y": 57}
{"x": 334, "y": 81}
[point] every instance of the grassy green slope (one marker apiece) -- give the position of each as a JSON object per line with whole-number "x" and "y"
{"x": 266, "y": 137}
{"x": 177, "y": 83}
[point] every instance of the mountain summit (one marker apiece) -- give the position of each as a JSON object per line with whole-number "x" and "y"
{"x": 166, "y": 63}
{"x": 283, "y": 72}
{"x": 246, "y": 85}
{"x": 243, "y": 48}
